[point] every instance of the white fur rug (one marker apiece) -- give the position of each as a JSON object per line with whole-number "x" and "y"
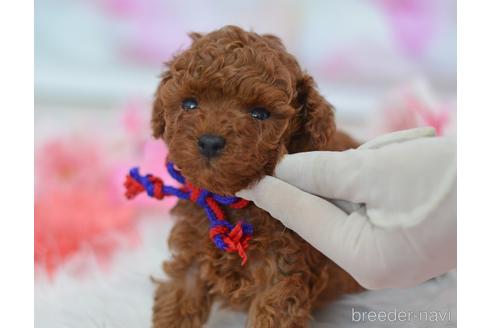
{"x": 121, "y": 295}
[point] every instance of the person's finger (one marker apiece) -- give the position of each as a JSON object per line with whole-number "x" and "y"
{"x": 399, "y": 136}
{"x": 286, "y": 202}
{"x": 334, "y": 175}
{"x": 396, "y": 177}
{"x": 349, "y": 175}
{"x": 316, "y": 220}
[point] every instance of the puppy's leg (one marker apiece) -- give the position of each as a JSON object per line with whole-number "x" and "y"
{"x": 286, "y": 304}
{"x": 181, "y": 302}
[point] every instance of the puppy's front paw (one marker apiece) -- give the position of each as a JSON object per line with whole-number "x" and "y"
{"x": 284, "y": 305}
{"x": 174, "y": 307}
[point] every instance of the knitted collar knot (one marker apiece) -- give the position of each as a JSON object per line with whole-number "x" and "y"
{"x": 224, "y": 235}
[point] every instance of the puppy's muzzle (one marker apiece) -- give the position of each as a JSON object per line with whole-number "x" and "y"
{"x": 211, "y": 145}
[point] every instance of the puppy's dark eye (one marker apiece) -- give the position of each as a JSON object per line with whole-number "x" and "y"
{"x": 189, "y": 104}
{"x": 260, "y": 113}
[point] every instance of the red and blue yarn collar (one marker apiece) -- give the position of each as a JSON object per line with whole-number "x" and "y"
{"x": 224, "y": 235}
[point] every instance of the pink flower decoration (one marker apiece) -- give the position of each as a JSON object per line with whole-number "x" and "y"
{"x": 79, "y": 194}
{"x": 413, "y": 106}
{"x": 74, "y": 209}
{"x": 85, "y": 218}
{"x": 65, "y": 162}
{"x": 438, "y": 118}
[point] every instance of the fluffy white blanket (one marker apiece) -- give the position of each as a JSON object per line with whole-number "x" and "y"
{"x": 121, "y": 295}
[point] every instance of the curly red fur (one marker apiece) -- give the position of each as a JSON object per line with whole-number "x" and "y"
{"x": 229, "y": 71}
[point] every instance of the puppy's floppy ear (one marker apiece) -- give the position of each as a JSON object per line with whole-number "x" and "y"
{"x": 158, "y": 122}
{"x": 317, "y": 116}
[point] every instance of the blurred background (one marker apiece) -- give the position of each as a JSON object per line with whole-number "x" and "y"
{"x": 98, "y": 55}
{"x": 384, "y": 64}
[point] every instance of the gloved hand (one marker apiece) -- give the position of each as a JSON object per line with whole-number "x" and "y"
{"x": 399, "y": 228}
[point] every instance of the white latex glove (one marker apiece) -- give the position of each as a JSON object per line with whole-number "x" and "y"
{"x": 400, "y": 227}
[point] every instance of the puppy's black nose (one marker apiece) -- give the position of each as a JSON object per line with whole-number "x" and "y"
{"x": 210, "y": 145}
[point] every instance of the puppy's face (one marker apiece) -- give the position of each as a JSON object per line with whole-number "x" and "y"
{"x": 231, "y": 105}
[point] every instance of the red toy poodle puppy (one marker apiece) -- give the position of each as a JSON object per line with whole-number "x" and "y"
{"x": 229, "y": 108}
